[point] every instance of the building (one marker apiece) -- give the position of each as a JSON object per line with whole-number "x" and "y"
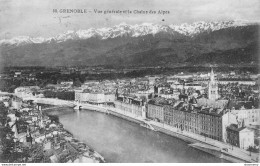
{"x": 66, "y": 82}
{"x": 210, "y": 123}
{"x": 144, "y": 93}
{"x": 240, "y": 82}
{"x": 155, "y": 110}
{"x": 233, "y": 135}
{"x": 131, "y": 105}
{"x": 228, "y": 118}
{"x": 152, "y": 79}
{"x": 80, "y": 95}
{"x": 94, "y": 97}
{"x": 16, "y": 103}
{"x": 250, "y": 116}
{"x": 205, "y": 121}
{"x": 186, "y": 118}
{"x": 212, "y": 103}
{"x": 241, "y": 137}
{"x": 195, "y": 86}
{"x": 169, "y": 93}
{"x": 17, "y": 74}
{"x": 168, "y": 114}
{"x": 26, "y": 91}
{"x": 212, "y": 87}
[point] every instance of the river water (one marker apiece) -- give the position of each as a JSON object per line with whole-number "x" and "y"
{"x": 118, "y": 140}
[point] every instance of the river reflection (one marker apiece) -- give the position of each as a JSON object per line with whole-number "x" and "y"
{"x": 118, "y": 140}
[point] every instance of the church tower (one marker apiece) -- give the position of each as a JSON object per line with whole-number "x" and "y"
{"x": 213, "y": 87}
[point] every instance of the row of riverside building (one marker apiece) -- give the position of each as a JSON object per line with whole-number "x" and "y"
{"x": 212, "y": 117}
{"x": 188, "y": 117}
{"x": 214, "y": 123}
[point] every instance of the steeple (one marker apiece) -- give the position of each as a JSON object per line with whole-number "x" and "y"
{"x": 212, "y": 76}
{"x": 212, "y": 87}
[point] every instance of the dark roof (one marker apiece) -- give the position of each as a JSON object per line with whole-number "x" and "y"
{"x": 234, "y": 127}
{"x": 159, "y": 101}
{"x": 238, "y": 104}
{"x": 214, "y": 112}
{"x": 183, "y": 96}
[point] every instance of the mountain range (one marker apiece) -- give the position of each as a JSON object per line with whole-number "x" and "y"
{"x": 222, "y": 42}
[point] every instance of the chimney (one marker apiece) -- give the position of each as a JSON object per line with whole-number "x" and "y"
{"x": 219, "y": 111}
{"x": 192, "y": 107}
{"x": 243, "y": 123}
{"x": 210, "y": 110}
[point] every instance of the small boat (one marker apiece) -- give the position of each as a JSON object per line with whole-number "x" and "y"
{"x": 148, "y": 126}
{"x": 77, "y": 107}
{"x": 107, "y": 112}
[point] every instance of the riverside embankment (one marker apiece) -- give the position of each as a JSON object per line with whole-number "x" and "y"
{"x": 233, "y": 155}
{"x": 118, "y": 140}
{"x": 79, "y": 152}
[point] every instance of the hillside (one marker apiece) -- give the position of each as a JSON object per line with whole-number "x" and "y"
{"x": 154, "y": 45}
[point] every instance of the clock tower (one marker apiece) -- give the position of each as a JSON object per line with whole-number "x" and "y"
{"x": 212, "y": 87}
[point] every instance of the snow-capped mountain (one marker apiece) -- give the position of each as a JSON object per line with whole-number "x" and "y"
{"x": 226, "y": 42}
{"x": 124, "y": 29}
{"x": 199, "y": 27}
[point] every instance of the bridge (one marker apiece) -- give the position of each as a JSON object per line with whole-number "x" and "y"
{"x": 41, "y": 100}
{"x": 49, "y": 108}
{"x": 6, "y": 93}
{"x": 50, "y": 101}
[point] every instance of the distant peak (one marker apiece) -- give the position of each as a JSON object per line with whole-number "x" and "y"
{"x": 149, "y": 24}
{"x": 122, "y": 24}
{"x": 123, "y": 29}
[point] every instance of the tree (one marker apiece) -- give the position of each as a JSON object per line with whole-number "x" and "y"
{"x": 77, "y": 83}
{"x": 37, "y": 153}
{"x": 49, "y": 94}
{"x": 6, "y": 142}
{"x": 54, "y": 118}
{"x": 3, "y": 114}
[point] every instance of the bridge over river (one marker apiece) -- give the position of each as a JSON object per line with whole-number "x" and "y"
{"x": 42, "y": 100}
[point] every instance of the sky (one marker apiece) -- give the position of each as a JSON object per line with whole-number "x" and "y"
{"x": 36, "y": 18}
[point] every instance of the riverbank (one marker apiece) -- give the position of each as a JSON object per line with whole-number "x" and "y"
{"x": 39, "y": 137}
{"x": 233, "y": 154}
{"x": 239, "y": 155}
{"x": 159, "y": 127}
{"x": 84, "y": 152}
{"x": 121, "y": 141}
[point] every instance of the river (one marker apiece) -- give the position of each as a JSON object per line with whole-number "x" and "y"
{"x": 118, "y": 140}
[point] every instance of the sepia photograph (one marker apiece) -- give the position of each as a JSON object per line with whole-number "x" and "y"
{"x": 140, "y": 81}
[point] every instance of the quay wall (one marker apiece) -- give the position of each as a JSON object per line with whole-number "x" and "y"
{"x": 186, "y": 138}
{"x": 55, "y": 102}
{"x": 93, "y": 107}
{"x": 124, "y": 117}
{"x": 162, "y": 128}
